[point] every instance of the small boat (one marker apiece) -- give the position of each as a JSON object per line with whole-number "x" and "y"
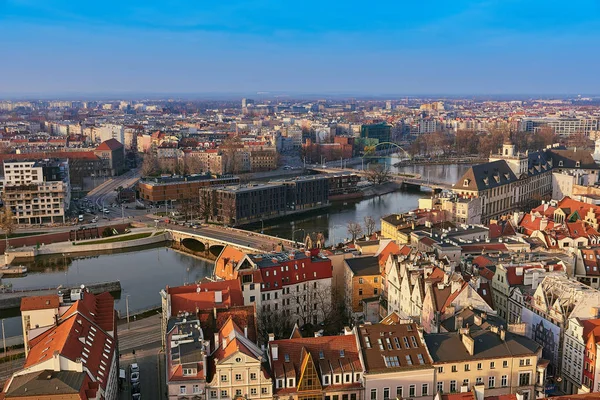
{"x": 16, "y": 270}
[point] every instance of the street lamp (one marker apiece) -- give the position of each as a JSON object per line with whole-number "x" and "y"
{"x": 262, "y": 226}
{"x": 127, "y": 308}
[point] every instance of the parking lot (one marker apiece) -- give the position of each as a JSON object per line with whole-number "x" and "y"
{"x": 150, "y": 375}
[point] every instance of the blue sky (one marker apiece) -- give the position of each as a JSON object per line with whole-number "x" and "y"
{"x": 230, "y": 46}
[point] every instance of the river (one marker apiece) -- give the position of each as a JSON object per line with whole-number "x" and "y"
{"x": 333, "y": 223}
{"x": 142, "y": 274}
{"x": 145, "y": 272}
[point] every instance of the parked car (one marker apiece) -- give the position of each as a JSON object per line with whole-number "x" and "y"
{"x": 134, "y": 368}
{"x": 135, "y": 377}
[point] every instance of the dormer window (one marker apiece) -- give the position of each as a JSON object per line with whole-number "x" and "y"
{"x": 466, "y": 182}
{"x": 578, "y": 164}
{"x": 326, "y": 379}
{"x": 560, "y": 163}
{"x": 342, "y": 353}
{"x": 321, "y": 355}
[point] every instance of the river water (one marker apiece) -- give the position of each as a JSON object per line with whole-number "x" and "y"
{"x": 144, "y": 273}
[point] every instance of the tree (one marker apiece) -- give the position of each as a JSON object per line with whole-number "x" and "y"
{"x": 369, "y": 225}
{"x": 150, "y": 166}
{"x": 205, "y": 208}
{"x": 7, "y": 223}
{"x": 354, "y": 229}
{"x": 232, "y": 148}
{"x": 466, "y": 142}
{"x": 378, "y": 174}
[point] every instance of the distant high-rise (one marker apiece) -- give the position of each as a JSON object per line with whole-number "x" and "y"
{"x": 388, "y": 105}
{"x": 381, "y": 132}
{"x": 247, "y": 102}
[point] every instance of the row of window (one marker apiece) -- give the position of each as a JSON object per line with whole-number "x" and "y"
{"x": 467, "y": 367}
{"x": 214, "y": 394}
{"x": 238, "y": 377}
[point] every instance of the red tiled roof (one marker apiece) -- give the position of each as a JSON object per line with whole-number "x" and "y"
{"x": 202, "y": 296}
{"x": 40, "y": 302}
{"x": 470, "y": 248}
{"x": 110, "y": 144}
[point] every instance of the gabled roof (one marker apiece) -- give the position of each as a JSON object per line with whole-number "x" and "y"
{"x": 571, "y": 158}
{"x": 110, "y": 144}
{"x": 48, "y": 383}
{"x": 190, "y": 298}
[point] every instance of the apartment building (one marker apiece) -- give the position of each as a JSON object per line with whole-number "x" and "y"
{"x": 396, "y": 362}
{"x": 363, "y": 283}
{"x": 561, "y": 126}
{"x": 502, "y": 361}
{"x": 112, "y": 153}
{"x": 37, "y": 191}
{"x": 238, "y": 367}
{"x": 316, "y": 368}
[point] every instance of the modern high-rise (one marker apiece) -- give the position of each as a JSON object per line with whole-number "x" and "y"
{"x": 381, "y": 132}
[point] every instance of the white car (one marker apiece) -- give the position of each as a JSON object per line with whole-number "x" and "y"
{"x": 134, "y": 368}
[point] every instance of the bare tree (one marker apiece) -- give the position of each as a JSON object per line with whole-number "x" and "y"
{"x": 369, "y": 225}
{"x": 7, "y": 222}
{"x": 205, "y": 206}
{"x": 278, "y": 322}
{"x": 378, "y": 174}
{"x": 150, "y": 165}
{"x": 232, "y": 148}
{"x": 354, "y": 229}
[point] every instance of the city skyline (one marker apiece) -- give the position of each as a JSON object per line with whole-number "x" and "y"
{"x": 469, "y": 48}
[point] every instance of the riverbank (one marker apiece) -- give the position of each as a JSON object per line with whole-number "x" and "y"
{"x": 442, "y": 161}
{"x": 137, "y": 238}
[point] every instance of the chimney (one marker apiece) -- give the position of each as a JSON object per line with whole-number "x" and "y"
{"x": 216, "y": 340}
{"x": 218, "y": 297}
{"x": 458, "y": 323}
{"x": 478, "y": 320}
{"x": 519, "y": 395}
{"x": 479, "y": 391}
{"x": 502, "y": 334}
{"x": 215, "y": 313}
{"x": 56, "y": 360}
{"x": 271, "y": 337}
{"x": 245, "y": 331}
{"x": 274, "y": 351}
{"x": 468, "y": 342}
{"x": 519, "y": 271}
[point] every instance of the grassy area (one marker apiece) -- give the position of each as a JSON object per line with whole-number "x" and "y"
{"x": 23, "y": 234}
{"x": 120, "y": 238}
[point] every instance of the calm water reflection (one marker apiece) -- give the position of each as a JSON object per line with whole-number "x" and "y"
{"x": 142, "y": 275}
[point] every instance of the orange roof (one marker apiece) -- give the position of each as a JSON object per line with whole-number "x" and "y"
{"x": 110, "y": 144}
{"x": 390, "y": 248}
{"x": 40, "y": 302}
{"x": 202, "y": 296}
{"x": 226, "y": 262}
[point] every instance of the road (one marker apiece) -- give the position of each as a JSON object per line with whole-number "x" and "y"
{"x": 105, "y": 193}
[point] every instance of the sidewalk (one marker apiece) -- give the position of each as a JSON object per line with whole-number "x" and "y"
{"x": 138, "y": 324}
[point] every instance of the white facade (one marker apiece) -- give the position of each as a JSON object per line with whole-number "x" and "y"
{"x": 573, "y": 351}
{"x": 109, "y": 131}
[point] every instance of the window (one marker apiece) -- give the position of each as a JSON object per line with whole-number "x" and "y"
{"x": 440, "y": 370}
{"x": 196, "y": 389}
{"x": 182, "y": 389}
{"x": 412, "y": 390}
{"x": 188, "y": 371}
{"x": 223, "y": 378}
{"x": 491, "y": 382}
{"x": 528, "y": 362}
{"x": 504, "y": 380}
{"x": 375, "y": 291}
{"x": 420, "y": 357}
{"x": 392, "y": 361}
{"x": 399, "y": 392}
{"x": 504, "y": 364}
{"x": 440, "y": 387}
{"x": 408, "y": 360}
{"x": 454, "y": 369}
{"x": 326, "y": 379}
{"x": 386, "y": 393}
{"x": 492, "y": 365}
{"x": 467, "y": 367}
{"x": 360, "y": 281}
{"x": 373, "y": 394}
{"x": 524, "y": 378}
{"x": 238, "y": 392}
{"x": 253, "y": 376}
{"x": 224, "y": 393}
{"x": 406, "y": 342}
{"x": 425, "y": 389}
{"x": 452, "y": 386}
{"x": 213, "y": 394}
{"x": 414, "y": 341}
{"x": 479, "y": 367}
{"x": 238, "y": 377}
{"x": 264, "y": 390}
{"x": 479, "y": 380}
{"x": 465, "y": 382}
{"x": 253, "y": 391}
{"x": 252, "y": 299}
{"x": 360, "y": 291}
